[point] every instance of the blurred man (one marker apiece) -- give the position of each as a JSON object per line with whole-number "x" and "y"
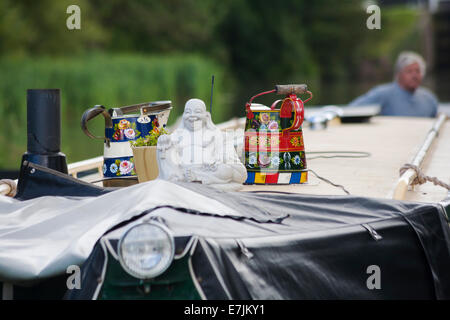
{"x": 403, "y": 96}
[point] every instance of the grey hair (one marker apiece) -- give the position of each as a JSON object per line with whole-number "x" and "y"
{"x": 408, "y": 57}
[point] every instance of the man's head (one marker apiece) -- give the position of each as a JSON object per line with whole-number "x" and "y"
{"x": 194, "y": 111}
{"x": 409, "y": 70}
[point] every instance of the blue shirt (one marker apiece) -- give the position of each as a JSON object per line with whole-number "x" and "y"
{"x": 396, "y": 101}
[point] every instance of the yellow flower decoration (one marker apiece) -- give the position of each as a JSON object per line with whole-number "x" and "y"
{"x": 295, "y": 141}
{"x": 124, "y": 124}
{"x": 264, "y": 118}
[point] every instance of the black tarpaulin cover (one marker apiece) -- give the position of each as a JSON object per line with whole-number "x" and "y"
{"x": 294, "y": 246}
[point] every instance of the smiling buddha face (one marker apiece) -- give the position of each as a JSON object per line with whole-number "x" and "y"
{"x": 195, "y": 114}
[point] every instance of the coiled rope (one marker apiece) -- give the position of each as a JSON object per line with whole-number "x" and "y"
{"x": 421, "y": 178}
{"x": 11, "y": 187}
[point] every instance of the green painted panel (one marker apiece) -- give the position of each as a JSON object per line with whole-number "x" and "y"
{"x": 174, "y": 284}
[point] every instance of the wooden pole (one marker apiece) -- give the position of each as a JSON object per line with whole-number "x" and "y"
{"x": 409, "y": 175}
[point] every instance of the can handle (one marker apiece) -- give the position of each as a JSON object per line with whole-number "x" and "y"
{"x": 298, "y": 116}
{"x": 287, "y": 89}
{"x": 92, "y": 113}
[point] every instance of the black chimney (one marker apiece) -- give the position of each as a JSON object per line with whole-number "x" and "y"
{"x": 44, "y": 129}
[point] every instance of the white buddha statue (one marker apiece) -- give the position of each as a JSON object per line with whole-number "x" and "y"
{"x": 197, "y": 152}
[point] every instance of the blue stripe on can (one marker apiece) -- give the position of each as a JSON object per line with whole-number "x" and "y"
{"x": 295, "y": 177}
{"x": 250, "y": 178}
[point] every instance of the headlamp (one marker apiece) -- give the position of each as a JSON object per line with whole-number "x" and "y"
{"x": 146, "y": 250}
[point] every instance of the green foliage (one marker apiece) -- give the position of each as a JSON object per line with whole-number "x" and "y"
{"x": 261, "y": 42}
{"x": 265, "y": 40}
{"x": 150, "y": 139}
{"x": 159, "y": 26}
{"x": 292, "y": 39}
{"x": 399, "y": 30}
{"x": 30, "y": 27}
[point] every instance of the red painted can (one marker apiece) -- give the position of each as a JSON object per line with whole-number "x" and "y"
{"x": 274, "y": 148}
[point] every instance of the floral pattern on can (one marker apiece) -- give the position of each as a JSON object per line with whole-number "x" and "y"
{"x": 252, "y": 159}
{"x": 296, "y": 141}
{"x": 129, "y": 129}
{"x": 275, "y": 162}
{"x": 297, "y": 160}
{"x": 264, "y": 160}
{"x": 124, "y": 124}
{"x": 129, "y": 133}
{"x": 264, "y": 118}
{"x": 273, "y": 125}
{"x": 271, "y": 151}
{"x": 118, "y": 167}
{"x": 125, "y": 167}
{"x": 113, "y": 168}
